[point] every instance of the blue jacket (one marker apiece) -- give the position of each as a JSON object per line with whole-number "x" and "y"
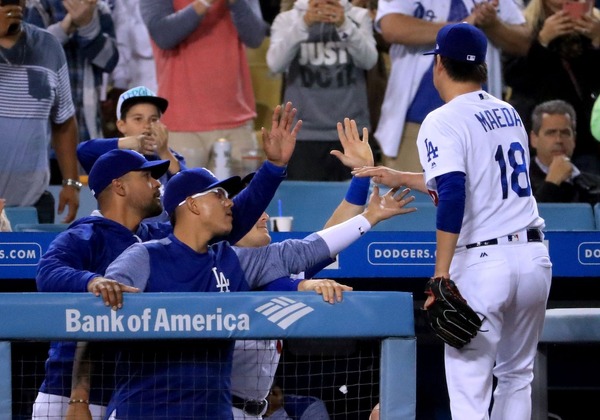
{"x": 91, "y": 244}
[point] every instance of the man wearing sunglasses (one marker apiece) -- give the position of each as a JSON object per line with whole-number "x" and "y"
{"x": 127, "y": 190}
{"x": 186, "y": 261}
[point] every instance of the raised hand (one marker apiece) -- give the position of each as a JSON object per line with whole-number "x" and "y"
{"x": 10, "y": 17}
{"x": 160, "y": 136}
{"x": 388, "y": 205}
{"x": 393, "y": 178}
{"x": 381, "y": 175}
{"x": 279, "y": 143}
{"x": 80, "y": 11}
{"x": 357, "y": 153}
{"x": 486, "y": 14}
{"x": 589, "y": 26}
{"x": 560, "y": 170}
{"x": 326, "y": 11}
{"x": 558, "y": 24}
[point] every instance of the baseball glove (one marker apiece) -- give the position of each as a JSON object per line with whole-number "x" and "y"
{"x": 449, "y": 315}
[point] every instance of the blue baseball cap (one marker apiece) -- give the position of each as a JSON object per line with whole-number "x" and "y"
{"x": 193, "y": 181}
{"x": 141, "y": 94}
{"x": 116, "y": 163}
{"x": 461, "y": 42}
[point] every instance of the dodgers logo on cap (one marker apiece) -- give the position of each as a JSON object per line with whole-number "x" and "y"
{"x": 461, "y": 42}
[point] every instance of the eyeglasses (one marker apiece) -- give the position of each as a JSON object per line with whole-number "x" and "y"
{"x": 222, "y": 195}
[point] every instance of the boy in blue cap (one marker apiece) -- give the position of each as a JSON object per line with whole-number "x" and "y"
{"x": 138, "y": 111}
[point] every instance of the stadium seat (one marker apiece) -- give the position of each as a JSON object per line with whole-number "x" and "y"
{"x": 597, "y": 215}
{"x": 567, "y": 216}
{"x": 18, "y": 215}
{"x": 40, "y": 227}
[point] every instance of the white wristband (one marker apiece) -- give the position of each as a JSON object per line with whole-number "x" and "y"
{"x": 205, "y": 3}
{"x": 339, "y": 237}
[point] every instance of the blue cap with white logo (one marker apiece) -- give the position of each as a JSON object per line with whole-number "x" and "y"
{"x": 461, "y": 42}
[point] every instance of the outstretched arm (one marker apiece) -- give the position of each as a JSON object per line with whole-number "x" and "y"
{"x": 392, "y": 178}
{"x": 357, "y": 153}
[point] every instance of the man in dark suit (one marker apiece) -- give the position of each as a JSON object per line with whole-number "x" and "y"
{"x": 554, "y": 178}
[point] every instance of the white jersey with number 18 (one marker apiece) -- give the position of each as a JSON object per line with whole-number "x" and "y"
{"x": 482, "y": 137}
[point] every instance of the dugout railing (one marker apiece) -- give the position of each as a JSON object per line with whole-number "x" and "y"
{"x": 387, "y": 316}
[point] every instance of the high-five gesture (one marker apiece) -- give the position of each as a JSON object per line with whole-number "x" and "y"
{"x": 392, "y": 178}
{"x": 357, "y": 152}
{"x": 279, "y": 143}
{"x": 387, "y": 205}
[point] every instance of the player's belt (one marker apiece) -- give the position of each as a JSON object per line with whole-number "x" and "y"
{"x": 250, "y": 407}
{"x": 533, "y": 235}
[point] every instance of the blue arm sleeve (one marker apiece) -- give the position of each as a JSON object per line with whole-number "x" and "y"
{"x": 283, "y": 284}
{"x": 63, "y": 267}
{"x": 312, "y": 271}
{"x": 89, "y": 151}
{"x": 253, "y": 200}
{"x": 451, "y": 201}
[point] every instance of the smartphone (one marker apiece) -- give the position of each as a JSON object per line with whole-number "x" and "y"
{"x": 576, "y": 9}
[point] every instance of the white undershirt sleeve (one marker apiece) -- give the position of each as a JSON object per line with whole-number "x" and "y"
{"x": 340, "y": 236}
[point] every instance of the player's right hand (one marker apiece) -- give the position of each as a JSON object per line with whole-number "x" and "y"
{"x": 111, "y": 291}
{"x": 280, "y": 141}
{"x": 381, "y": 175}
{"x": 387, "y": 205}
{"x": 331, "y": 290}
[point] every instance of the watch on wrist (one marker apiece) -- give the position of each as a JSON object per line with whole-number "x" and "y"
{"x": 72, "y": 183}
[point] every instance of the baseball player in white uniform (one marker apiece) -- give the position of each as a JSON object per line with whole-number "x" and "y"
{"x": 475, "y": 157}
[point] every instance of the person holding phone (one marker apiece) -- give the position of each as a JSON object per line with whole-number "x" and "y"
{"x": 563, "y": 62}
{"x": 577, "y": 9}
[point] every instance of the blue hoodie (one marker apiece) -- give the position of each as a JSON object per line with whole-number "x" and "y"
{"x": 92, "y": 243}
